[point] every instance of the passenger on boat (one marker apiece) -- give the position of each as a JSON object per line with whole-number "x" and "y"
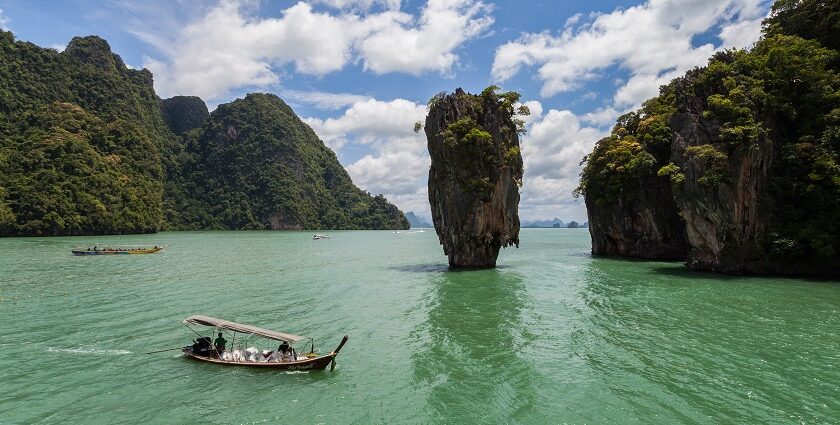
{"x": 220, "y": 344}
{"x": 201, "y": 346}
{"x": 280, "y": 354}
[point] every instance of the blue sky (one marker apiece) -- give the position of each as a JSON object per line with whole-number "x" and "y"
{"x": 360, "y": 71}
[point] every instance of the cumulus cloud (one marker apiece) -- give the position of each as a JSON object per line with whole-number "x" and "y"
{"x": 551, "y": 151}
{"x": 652, "y": 41}
{"x": 429, "y": 45}
{"x": 4, "y": 21}
{"x": 370, "y": 122}
{"x": 741, "y": 34}
{"x": 397, "y": 163}
{"x": 229, "y": 47}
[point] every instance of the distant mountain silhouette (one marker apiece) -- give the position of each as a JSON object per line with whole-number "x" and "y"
{"x": 416, "y": 221}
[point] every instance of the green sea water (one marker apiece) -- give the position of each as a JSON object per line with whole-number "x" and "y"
{"x": 551, "y": 336}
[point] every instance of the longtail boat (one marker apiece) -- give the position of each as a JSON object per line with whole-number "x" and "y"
{"x": 287, "y": 359}
{"x": 118, "y": 250}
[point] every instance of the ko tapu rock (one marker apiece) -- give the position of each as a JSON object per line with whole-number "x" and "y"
{"x": 476, "y": 173}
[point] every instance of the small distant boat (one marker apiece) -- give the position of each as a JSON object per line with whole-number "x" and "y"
{"x": 317, "y": 237}
{"x": 287, "y": 360}
{"x": 118, "y": 250}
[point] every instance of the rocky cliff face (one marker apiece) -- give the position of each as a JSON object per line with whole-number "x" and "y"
{"x": 734, "y": 167}
{"x": 475, "y": 175}
{"x": 646, "y": 227}
{"x": 724, "y": 220}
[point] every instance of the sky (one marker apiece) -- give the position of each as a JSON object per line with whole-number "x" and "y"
{"x": 360, "y": 72}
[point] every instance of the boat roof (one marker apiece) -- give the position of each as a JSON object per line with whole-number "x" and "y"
{"x": 238, "y": 327}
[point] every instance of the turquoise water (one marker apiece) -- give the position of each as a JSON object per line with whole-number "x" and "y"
{"x": 551, "y": 336}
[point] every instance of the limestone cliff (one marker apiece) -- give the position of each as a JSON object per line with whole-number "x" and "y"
{"x": 475, "y": 174}
{"x": 734, "y": 167}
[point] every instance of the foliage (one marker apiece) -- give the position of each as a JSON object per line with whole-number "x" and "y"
{"x": 81, "y": 142}
{"x": 638, "y": 146}
{"x": 713, "y": 161}
{"x": 614, "y": 169}
{"x": 673, "y": 172}
{"x": 184, "y": 113}
{"x": 781, "y": 98}
{"x": 483, "y": 138}
{"x": 810, "y": 19}
{"x": 256, "y": 165}
{"x": 86, "y": 148}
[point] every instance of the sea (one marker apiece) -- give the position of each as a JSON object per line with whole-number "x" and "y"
{"x": 551, "y": 336}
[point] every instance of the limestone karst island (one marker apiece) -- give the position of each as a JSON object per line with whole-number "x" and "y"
{"x": 390, "y": 211}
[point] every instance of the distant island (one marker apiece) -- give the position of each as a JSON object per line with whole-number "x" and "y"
{"x": 416, "y": 221}
{"x": 734, "y": 167}
{"x": 554, "y": 223}
{"x": 87, "y": 147}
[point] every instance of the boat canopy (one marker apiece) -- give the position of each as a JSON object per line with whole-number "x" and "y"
{"x": 238, "y": 327}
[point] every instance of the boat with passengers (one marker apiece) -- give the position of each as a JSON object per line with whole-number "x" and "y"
{"x": 118, "y": 249}
{"x": 285, "y": 357}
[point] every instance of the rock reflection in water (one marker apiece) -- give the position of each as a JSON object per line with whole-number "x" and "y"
{"x": 472, "y": 363}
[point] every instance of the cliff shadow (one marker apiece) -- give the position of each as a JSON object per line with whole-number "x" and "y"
{"x": 469, "y": 364}
{"x": 686, "y": 273}
{"x": 440, "y": 268}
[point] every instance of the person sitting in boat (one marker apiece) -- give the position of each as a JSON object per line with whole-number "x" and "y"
{"x": 219, "y": 343}
{"x": 280, "y": 354}
{"x": 201, "y": 346}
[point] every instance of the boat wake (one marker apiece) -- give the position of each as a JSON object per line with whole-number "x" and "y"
{"x": 95, "y": 351}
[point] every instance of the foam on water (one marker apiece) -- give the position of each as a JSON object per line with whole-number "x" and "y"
{"x": 88, "y": 350}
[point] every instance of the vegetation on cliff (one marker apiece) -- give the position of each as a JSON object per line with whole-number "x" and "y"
{"x": 256, "y": 165}
{"x": 81, "y": 141}
{"x": 749, "y": 148}
{"x": 87, "y": 147}
{"x": 184, "y": 113}
{"x": 476, "y": 172}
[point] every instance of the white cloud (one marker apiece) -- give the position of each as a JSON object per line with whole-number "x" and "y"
{"x": 741, "y": 34}
{"x": 652, "y": 41}
{"x": 398, "y": 162}
{"x": 230, "y": 48}
{"x": 323, "y": 100}
{"x": 430, "y": 45}
{"x": 552, "y": 151}
{"x": 370, "y": 122}
{"x": 4, "y": 21}
{"x": 601, "y": 116}
{"x": 554, "y": 146}
{"x": 359, "y": 4}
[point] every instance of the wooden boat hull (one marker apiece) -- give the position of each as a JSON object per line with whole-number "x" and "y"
{"x": 315, "y": 363}
{"x": 114, "y": 252}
